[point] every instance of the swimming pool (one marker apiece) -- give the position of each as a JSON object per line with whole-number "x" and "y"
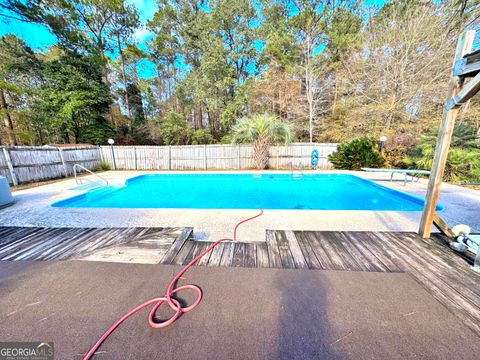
{"x": 248, "y": 191}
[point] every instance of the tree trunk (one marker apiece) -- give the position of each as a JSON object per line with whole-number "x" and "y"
{"x": 308, "y": 84}
{"x": 66, "y": 136}
{"x": 124, "y": 76}
{"x": 335, "y": 94}
{"x": 105, "y": 75}
{"x": 388, "y": 121}
{"x": 160, "y": 93}
{"x": 104, "y": 65}
{"x": 212, "y": 121}
{"x": 76, "y": 129}
{"x": 7, "y": 119}
{"x": 260, "y": 152}
{"x": 198, "y": 118}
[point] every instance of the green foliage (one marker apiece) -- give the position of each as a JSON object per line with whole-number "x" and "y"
{"x": 175, "y": 130}
{"x": 343, "y": 34}
{"x": 329, "y": 69}
{"x": 97, "y": 133}
{"x": 216, "y": 43}
{"x": 358, "y": 153}
{"x": 262, "y": 126}
{"x": 261, "y": 130}
{"x": 463, "y": 160}
{"x": 280, "y": 48}
{"x": 235, "y": 107}
{"x": 202, "y": 136}
{"x": 102, "y": 166}
{"x": 227, "y": 139}
{"x": 18, "y": 66}
{"x": 16, "y": 59}
{"x": 72, "y": 97}
{"x": 136, "y": 105}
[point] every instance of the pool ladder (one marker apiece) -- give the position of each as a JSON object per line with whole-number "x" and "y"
{"x": 296, "y": 174}
{"x": 84, "y": 180}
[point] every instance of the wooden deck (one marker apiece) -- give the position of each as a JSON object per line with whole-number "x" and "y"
{"x": 443, "y": 273}
{"x": 141, "y": 245}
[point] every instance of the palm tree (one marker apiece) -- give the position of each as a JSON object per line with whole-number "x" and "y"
{"x": 463, "y": 160}
{"x": 262, "y": 130}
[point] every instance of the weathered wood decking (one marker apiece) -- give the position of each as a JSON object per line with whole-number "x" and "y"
{"x": 444, "y": 274}
{"x": 143, "y": 244}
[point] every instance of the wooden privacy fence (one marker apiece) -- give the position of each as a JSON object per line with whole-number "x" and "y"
{"x": 23, "y": 164}
{"x": 218, "y": 156}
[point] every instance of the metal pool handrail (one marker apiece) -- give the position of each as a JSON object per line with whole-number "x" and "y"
{"x": 80, "y": 180}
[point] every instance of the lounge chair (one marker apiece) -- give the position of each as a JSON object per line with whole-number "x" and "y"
{"x": 413, "y": 173}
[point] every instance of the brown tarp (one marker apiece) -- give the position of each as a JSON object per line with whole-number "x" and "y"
{"x": 245, "y": 313}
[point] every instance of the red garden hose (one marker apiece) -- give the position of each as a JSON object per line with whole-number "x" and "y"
{"x": 174, "y": 304}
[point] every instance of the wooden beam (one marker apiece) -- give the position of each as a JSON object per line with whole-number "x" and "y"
{"x": 468, "y": 66}
{"x": 464, "y": 46}
{"x": 465, "y": 94}
{"x": 443, "y": 226}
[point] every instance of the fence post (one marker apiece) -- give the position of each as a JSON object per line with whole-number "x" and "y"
{"x": 10, "y": 166}
{"x": 169, "y": 157}
{"x": 277, "y": 158}
{"x": 135, "y": 156}
{"x": 238, "y": 157}
{"x": 60, "y": 151}
{"x": 113, "y": 158}
{"x": 205, "y": 156}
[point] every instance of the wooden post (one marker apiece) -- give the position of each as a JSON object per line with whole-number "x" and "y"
{"x": 100, "y": 151}
{"x": 205, "y": 156}
{"x": 8, "y": 160}
{"x": 238, "y": 157}
{"x": 60, "y": 151}
{"x": 169, "y": 157}
{"x": 277, "y": 158}
{"x": 135, "y": 156}
{"x": 113, "y": 158}
{"x": 464, "y": 46}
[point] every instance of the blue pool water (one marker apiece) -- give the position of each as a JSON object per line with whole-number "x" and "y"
{"x": 247, "y": 191}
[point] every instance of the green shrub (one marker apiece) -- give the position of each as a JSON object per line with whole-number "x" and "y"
{"x": 175, "y": 129}
{"x": 202, "y": 136}
{"x": 227, "y": 139}
{"x": 358, "y": 153}
{"x": 463, "y": 160}
{"x": 102, "y": 166}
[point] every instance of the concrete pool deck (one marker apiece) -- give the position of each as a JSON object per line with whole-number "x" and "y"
{"x": 32, "y": 208}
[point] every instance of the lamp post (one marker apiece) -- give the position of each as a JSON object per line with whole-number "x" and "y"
{"x": 111, "y": 142}
{"x": 382, "y": 139}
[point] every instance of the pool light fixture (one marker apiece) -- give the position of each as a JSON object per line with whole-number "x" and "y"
{"x": 111, "y": 141}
